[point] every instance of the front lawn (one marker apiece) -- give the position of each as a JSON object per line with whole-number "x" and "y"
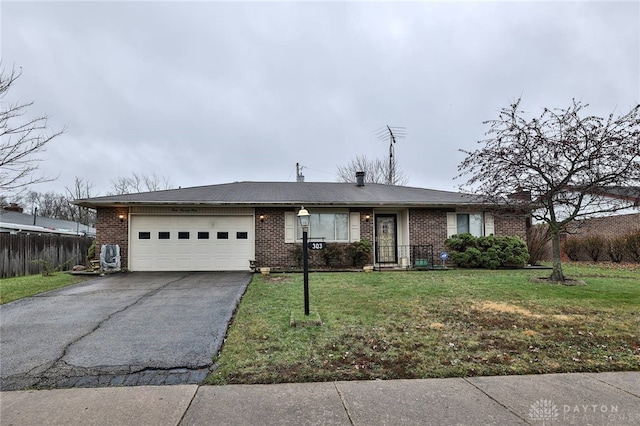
{"x": 391, "y": 325}
{"x": 18, "y": 287}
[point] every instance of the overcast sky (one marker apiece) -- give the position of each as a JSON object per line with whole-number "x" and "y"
{"x": 216, "y": 92}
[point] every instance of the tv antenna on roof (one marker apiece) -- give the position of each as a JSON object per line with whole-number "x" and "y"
{"x": 299, "y": 175}
{"x": 392, "y": 133}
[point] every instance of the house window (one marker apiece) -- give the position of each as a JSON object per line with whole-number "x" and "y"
{"x": 223, "y": 235}
{"x": 144, "y": 235}
{"x": 242, "y": 235}
{"x": 327, "y": 226}
{"x": 203, "y": 235}
{"x": 183, "y": 235}
{"x": 164, "y": 235}
{"x": 469, "y": 223}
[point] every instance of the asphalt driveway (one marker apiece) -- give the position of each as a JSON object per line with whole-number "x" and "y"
{"x": 123, "y": 329}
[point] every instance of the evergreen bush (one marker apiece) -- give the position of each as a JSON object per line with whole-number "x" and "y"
{"x": 488, "y": 252}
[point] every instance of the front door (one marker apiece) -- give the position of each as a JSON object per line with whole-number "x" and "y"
{"x": 386, "y": 238}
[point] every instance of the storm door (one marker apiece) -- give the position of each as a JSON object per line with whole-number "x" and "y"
{"x": 386, "y": 238}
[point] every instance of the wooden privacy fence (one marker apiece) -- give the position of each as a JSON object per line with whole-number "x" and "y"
{"x": 19, "y": 251}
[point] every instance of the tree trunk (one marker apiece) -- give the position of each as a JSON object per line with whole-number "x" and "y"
{"x": 557, "y": 274}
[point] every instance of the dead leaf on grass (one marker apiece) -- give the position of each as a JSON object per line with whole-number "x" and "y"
{"x": 513, "y": 309}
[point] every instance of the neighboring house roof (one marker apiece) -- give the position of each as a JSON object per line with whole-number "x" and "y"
{"x": 290, "y": 193}
{"x": 11, "y": 221}
{"x": 629, "y": 193}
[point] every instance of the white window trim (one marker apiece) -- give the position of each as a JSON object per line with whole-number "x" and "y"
{"x": 488, "y": 226}
{"x": 291, "y": 226}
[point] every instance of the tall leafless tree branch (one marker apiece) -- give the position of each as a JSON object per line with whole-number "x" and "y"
{"x": 376, "y": 171}
{"x": 20, "y": 141}
{"x": 137, "y": 183}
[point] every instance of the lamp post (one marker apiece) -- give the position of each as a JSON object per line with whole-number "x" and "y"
{"x": 303, "y": 217}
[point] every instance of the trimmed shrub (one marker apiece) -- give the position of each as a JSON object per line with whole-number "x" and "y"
{"x": 333, "y": 254}
{"x": 593, "y": 246}
{"x": 616, "y": 249}
{"x": 359, "y": 252}
{"x": 489, "y": 252}
{"x": 572, "y": 246}
{"x": 632, "y": 244}
{"x": 295, "y": 254}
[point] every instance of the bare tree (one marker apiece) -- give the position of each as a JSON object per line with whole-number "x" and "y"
{"x": 48, "y": 204}
{"x": 81, "y": 189}
{"x": 376, "y": 171}
{"x": 21, "y": 141}
{"x": 58, "y": 206}
{"x": 137, "y": 183}
{"x": 564, "y": 161}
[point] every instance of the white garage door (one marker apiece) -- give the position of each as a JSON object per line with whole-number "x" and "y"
{"x": 191, "y": 243}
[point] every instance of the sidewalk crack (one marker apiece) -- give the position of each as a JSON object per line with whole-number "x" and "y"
{"x": 496, "y": 401}
{"x": 615, "y": 387}
{"x": 343, "y": 401}
{"x": 188, "y": 406}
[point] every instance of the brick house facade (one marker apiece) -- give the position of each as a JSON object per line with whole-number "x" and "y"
{"x": 264, "y": 215}
{"x": 111, "y": 230}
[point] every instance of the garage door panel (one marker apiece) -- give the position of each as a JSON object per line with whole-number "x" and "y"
{"x": 200, "y": 250}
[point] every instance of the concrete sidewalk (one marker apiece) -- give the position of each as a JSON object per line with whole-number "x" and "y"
{"x": 553, "y": 399}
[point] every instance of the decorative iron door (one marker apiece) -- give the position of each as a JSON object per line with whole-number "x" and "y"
{"x": 386, "y": 238}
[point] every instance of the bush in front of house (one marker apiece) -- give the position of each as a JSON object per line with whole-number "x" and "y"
{"x": 333, "y": 254}
{"x": 488, "y": 252}
{"x": 616, "y": 248}
{"x": 537, "y": 238}
{"x": 596, "y": 247}
{"x": 632, "y": 244}
{"x": 593, "y": 246}
{"x": 572, "y": 246}
{"x": 359, "y": 252}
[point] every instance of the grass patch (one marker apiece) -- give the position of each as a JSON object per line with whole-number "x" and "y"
{"x": 19, "y": 287}
{"x": 433, "y": 324}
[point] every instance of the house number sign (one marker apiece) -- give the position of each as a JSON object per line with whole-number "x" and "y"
{"x": 316, "y": 245}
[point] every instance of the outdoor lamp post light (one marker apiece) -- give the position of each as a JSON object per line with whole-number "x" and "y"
{"x": 303, "y": 217}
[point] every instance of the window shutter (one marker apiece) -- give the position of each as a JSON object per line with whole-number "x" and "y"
{"x": 489, "y": 228}
{"x": 289, "y": 227}
{"x": 354, "y": 224}
{"x": 451, "y": 225}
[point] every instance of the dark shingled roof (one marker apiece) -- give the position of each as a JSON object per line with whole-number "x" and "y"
{"x": 289, "y": 193}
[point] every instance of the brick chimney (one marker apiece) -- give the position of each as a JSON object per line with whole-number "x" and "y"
{"x": 13, "y": 207}
{"x": 360, "y": 178}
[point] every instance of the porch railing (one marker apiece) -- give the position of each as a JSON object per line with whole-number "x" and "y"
{"x": 405, "y": 256}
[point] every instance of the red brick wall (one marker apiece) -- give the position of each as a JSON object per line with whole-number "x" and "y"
{"x": 366, "y": 228}
{"x": 612, "y": 226}
{"x": 510, "y": 224}
{"x": 272, "y": 251}
{"x": 428, "y": 227}
{"x": 109, "y": 230}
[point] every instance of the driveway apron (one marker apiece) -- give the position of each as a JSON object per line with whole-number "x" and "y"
{"x": 125, "y": 329}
